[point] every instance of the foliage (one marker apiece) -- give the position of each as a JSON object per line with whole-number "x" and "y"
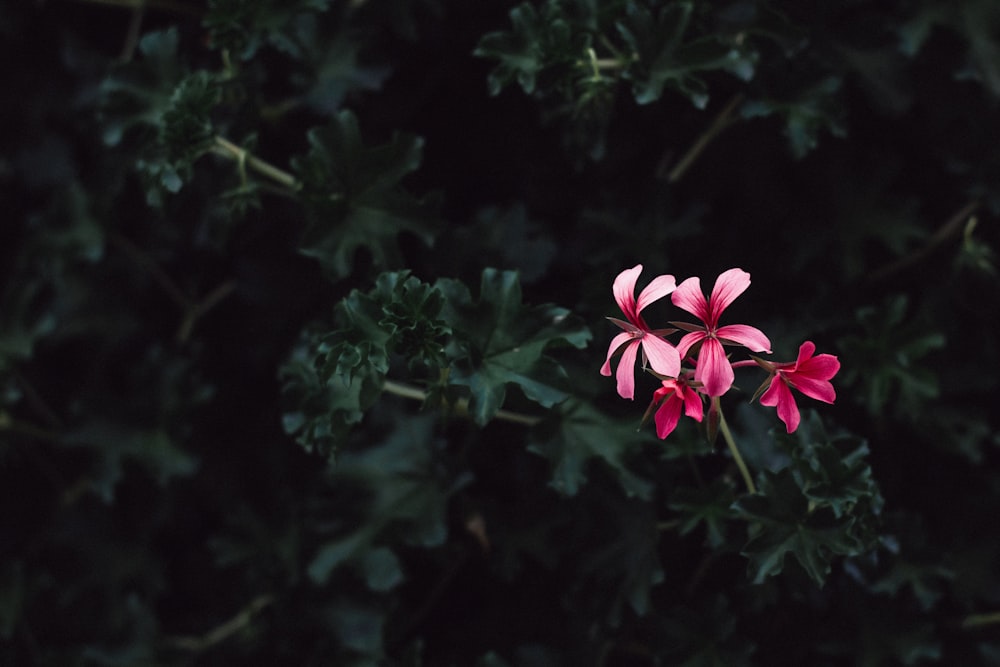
{"x": 303, "y": 310}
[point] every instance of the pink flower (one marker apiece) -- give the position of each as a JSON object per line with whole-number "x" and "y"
{"x": 810, "y": 375}
{"x": 675, "y": 394}
{"x": 662, "y": 356}
{"x": 714, "y": 371}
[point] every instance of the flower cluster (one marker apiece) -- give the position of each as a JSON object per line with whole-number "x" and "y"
{"x": 698, "y": 366}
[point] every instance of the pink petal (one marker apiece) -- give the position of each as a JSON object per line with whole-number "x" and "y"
{"x": 821, "y": 390}
{"x": 616, "y": 343}
{"x": 658, "y": 288}
{"x": 714, "y": 371}
{"x": 778, "y": 394}
{"x": 688, "y": 296}
{"x": 745, "y": 335}
{"x": 692, "y": 404}
{"x": 624, "y": 291}
{"x": 806, "y": 351}
{"x": 667, "y": 416}
{"x": 688, "y": 341}
{"x": 821, "y": 367}
{"x": 663, "y": 356}
{"x": 626, "y": 370}
{"x": 729, "y": 285}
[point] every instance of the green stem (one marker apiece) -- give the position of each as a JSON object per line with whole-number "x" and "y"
{"x": 979, "y": 620}
{"x": 228, "y": 149}
{"x": 734, "y": 450}
{"x": 462, "y": 407}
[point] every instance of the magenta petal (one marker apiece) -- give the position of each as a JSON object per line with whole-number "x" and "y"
{"x": 821, "y": 367}
{"x": 616, "y": 343}
{"x": 667, "y": 416}
{"x": 806, "y": 351}
{"x": 658, "y": 288}
{"x": 626, "y": 370}
{"x": 663, "y": 356}
{"x": 688, "y": 296}
{"x": 692, "y": 404}
{"x": 778, "y": 394}
{"x": 624, "y": 291}
{"x": 714, "y": 371}
{"x": 729, "y": 285}
{"x": 821, "y": 390}
{"x": 745, "y": 335}
{"x": 688, "y": 341}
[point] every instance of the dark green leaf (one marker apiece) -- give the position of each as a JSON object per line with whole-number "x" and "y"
{"x": 500, "y": 341}
{"x": 583, "y": 435}
{"x": 353, "y": 196}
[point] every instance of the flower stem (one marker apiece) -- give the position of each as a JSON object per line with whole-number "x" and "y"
{"x": 462, "y": 407}
{"x": 734, "y": 450}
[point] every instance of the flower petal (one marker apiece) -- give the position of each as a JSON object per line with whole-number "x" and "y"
{"x": 688, "y": 341}
{"x": 667, "y": 416}
{"x": 663, "y": 356}
{"x": 626, "y": 370}
{"x": 820, "y": 367}
{"x": 778, "y": 394}
{"x": 745, "y": 335}
{"x": 692, "y": 404}
{"x": 616, "y": 343}
{"x": 714, "y": 371}
{"x": 806, "y": 351}
{"x": 659, "y": 287}
{"x": 729, "y": 285}
{"x": 688, "y": 296}
{"x": 624, "y": 291}
{"x": 821, "y": 390}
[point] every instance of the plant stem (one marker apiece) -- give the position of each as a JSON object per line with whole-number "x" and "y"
{"x": 952, "y": 227}
{"x": 979, "y": 620}
{"x": 719, "y": 123}
{"x": 228, "y": 149}
{"x": 241, "y": 620}
{"x": 734, "y": 450}
{"x": 462, "y": 407}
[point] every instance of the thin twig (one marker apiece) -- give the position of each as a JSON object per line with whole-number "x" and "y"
{"x": 195, "y": 311}
{"x": 220, "y": 633}
{"x": 133, "y": 32}
{"x": 721, "y": 121}
{"x": 149, "y": 265}
{"x": 230, "y": 150}
{"x": 980, "y": 620}
{"x": 461, "y": 407}
{"x": 952, "y": 227}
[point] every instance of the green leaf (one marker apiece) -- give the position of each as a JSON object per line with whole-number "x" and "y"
{"x": 582, "y": 435}
{"x": 785, "y": 522}
{"x": 500, "y": 341}
{"x": 405, "y": 491}
{"x": 710, "y": 505}
{"x": 536, "y": 41}
{"x": 890, "y": 348}
{"x": 354, "y": 200}
{"x": 113, "y": 444}
{"x": 806, "y": 113}
{"x": 661, "y": 56}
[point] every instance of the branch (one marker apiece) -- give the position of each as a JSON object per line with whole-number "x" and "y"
{"x": 220, "y": 633}
{"x": 228, "y": 149}
{"x": 719, "y": 123}
{"x": 461, "y": 407}
{"x": 951, "y": 228}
